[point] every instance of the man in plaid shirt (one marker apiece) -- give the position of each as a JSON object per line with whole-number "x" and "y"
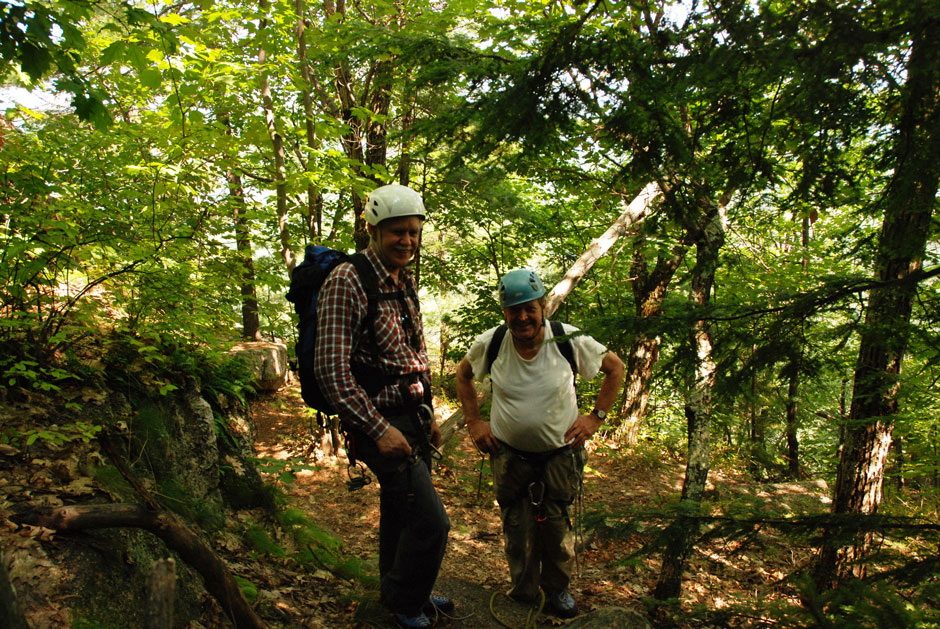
{"x": 375, "y": 372}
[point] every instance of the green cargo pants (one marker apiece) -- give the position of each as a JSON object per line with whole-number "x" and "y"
{"x": 538, "y": 534}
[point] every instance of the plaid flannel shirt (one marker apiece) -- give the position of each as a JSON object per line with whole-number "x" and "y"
{"x": 340, "y": 340}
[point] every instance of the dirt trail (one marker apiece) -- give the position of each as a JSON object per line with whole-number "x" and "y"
{"x": 474, "y": 566}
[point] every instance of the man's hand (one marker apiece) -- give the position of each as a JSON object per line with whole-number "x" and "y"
{"x": 393, "y": 444}
{"x": 582, "y": 430}
{"x": 436, "y": 437}
{"x": 482, "y": 436}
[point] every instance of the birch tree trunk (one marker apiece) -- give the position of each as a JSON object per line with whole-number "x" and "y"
{"x": 634, "y": 213}
{"x": 708, "y": 236}
{"x": 909, "y": 201}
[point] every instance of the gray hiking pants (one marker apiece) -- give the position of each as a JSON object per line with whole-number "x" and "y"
{"x": 539, "y": 538}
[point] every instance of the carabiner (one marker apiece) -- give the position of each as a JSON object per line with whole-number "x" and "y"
{"x": 536, "y": 488}
{"x": 436, "y": 454}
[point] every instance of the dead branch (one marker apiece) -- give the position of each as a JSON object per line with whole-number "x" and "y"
{"x": 175, "y": 534}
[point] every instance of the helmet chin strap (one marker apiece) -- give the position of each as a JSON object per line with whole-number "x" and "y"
{"x": 526, "y": 342}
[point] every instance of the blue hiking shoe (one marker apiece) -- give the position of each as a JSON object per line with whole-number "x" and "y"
{"x": 562, "y": 605}
{"x": 440, "y": 603}
{"x": 413, "y": 622}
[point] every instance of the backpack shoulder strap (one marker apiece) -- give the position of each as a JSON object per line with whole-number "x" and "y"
{"x": 558, "y": 330}
{"x": 492, "y": 350}
{"x": 370, "y": 283}
{"x": 367, "y": 275}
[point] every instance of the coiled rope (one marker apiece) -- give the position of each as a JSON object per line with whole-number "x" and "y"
{"x": 532, "y": 617}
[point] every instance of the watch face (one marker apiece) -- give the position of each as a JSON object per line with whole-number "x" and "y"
{"x": 601, "y": 415}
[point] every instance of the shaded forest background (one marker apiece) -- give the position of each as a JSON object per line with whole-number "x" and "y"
{"x": 765, "y": 175}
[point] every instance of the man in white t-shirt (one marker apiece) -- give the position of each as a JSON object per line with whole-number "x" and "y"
{"x": 536, "y": 433}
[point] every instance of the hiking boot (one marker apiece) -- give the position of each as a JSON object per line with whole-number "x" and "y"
{"x": 413, "y": 622}
{"x": 562, "y": 605}
{"x": 439, "y": 602}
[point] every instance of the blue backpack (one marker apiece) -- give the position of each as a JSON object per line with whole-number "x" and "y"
{"x": 305, "y": 284}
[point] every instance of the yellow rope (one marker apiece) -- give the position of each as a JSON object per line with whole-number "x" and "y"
{"x": 531, "y": 618}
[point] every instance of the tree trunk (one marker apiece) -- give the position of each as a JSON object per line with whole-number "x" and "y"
{"x": 908, "y": 201}
{"x": 648, "y": 292}
{"x": 251, "y": 323}
{"x": 708, "y": 236}
{"x": 634, "y": 213}
{"x": 277, "y": 145}
{"x": 644, "y": 353}
{"x": 314, "y": 214}
{"x": 793, "y": 444}
{"x": 793, "y": 385}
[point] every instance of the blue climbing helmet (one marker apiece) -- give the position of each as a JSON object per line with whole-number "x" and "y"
{"x": 518, "y": 287}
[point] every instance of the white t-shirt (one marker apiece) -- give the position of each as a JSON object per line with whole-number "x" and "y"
{"x": 534, "y": 402}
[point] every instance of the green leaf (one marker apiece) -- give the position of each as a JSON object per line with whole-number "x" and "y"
{"x": 174, "y": 19}
{"x": 151, "y": 78}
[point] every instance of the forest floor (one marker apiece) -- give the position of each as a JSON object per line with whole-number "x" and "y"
{"x": 626, "y": 497}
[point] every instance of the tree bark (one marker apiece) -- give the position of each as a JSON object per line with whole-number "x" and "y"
{"x": 793, "y": 385}
{"x": 314, "y": 214}
{"x": 175, "y": 534}
{"x": 649, "y": 290}
{"x": 251, "y": 323}
{"x": 909, "y": 201}
{"x": 793, "y": 443}
{"x": 634, "y": 213}
{"x": 708, "y": 234}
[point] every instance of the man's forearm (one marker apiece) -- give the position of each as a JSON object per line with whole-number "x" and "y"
{"x": 467, "y": 394}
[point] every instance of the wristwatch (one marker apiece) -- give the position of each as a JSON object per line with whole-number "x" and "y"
{"x": 598, "y": 413}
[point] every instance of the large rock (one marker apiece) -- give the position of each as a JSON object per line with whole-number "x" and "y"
{"x": 268, "y": 363}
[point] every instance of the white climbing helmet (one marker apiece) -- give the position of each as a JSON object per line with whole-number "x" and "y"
{"x": 393, "y": 201}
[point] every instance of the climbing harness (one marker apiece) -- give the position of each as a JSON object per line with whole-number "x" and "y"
{"x": 532, "y": 616}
